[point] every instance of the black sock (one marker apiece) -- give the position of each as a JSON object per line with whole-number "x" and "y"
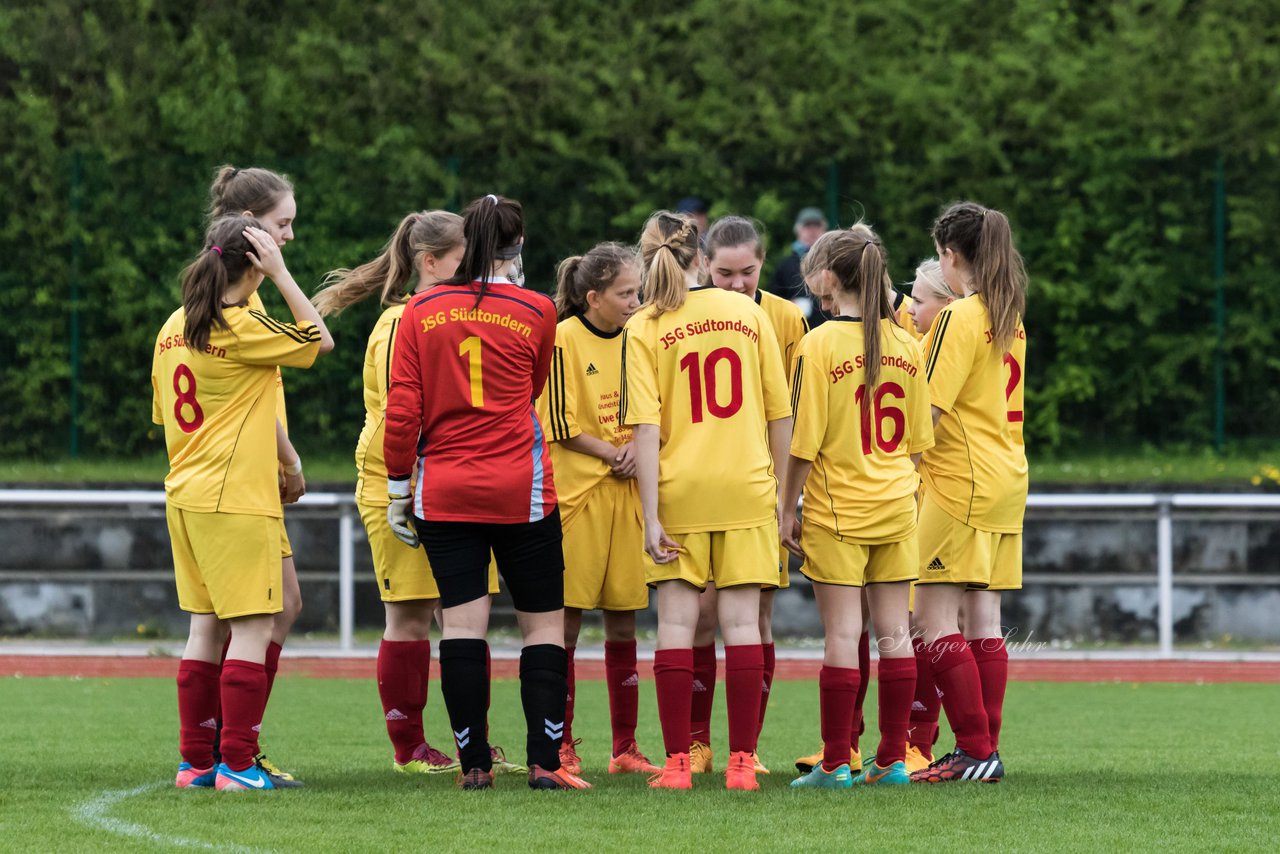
{"x": 544, "y": 678}
{"x": 464, "y": 682}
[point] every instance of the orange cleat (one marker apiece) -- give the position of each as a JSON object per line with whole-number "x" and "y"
{"x": 632, "y": 761}
{"x": 569, "y": 759}
{"x": 540, "y": 778}
{"x": 676, "y": 774}
{"x": 476, "y": 778}
{"x": 741, "y": 773}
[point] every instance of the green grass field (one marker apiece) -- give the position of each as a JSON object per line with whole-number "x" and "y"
{"x": 88, "y": 765}
{"x": 1247, "y": 467}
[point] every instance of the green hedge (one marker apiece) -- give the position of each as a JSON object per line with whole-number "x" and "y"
{"x": 1097, "y": 127}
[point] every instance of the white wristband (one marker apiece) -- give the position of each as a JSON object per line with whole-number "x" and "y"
{"x": 294, "y": 470}
{"x": 397, "y": 488}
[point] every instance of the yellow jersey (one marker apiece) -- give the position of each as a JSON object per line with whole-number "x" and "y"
{"x": 976, "y": 472}
{"x": 371, "y": 468}
{"x": 1015, "y": 364}
{"x": 255, "y": 304}
{"x": 218, "y": 408}
{"x": 862, "y": 485}
{"x": 708, "y": 375}
{"x": 581, "y": 398}
{"x": 788, "y": 323}
{"x": 902, "y": 311}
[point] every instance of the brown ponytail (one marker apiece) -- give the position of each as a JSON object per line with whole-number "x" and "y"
{"x": 578, "y": 275}
{"x": 433, "y": 232}
{"x": 669, "y": 247}
{"x": 254, "y": 190}
{"x": 493, "y": 227}
{"x": 858, "y": 261}
{"x": 983, "y": 237}
{"x": 729, "y": 231}
{"x": 221, "y": 263}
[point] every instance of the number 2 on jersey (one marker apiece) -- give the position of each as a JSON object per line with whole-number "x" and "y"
{"x": 706, "y": 379}
{"x": 186, "y": 397}
{"x": 470, "y": 350}
{"x": 1015, "y": 377}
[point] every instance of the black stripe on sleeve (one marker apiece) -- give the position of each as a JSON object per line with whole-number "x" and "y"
{"x": 943, "y": 322}
{"x": 302, "y": 336}
{"x": 795, "y": 386}
{"x": 622, "y": 391}
{"x": 391, "y": 348}
{"x": 556, "y": 402}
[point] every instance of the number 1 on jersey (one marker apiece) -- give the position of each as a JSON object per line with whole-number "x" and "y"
{"x": 470, "y": 349}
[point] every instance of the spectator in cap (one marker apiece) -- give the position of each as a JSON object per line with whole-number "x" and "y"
{"x": 696, "y": 207}
{"x": 787, "y": 281}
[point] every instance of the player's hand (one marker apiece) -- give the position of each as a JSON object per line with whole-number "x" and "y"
{"x": 789, "y": 533}
{"x": 623, "y": 465}
{"x": 398, "y": 517}
{"x": 661, "y": 548}
{"x": 265, "y": 257}
{"x": 292, "y": 487}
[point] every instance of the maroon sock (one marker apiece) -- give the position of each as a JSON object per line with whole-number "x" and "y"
{"x": 704, "y": 691}
{"x": 272, "y": 664}
{"x": 927, "y": 705}
{"x": 864, "y": 677}
{"x": 244, "y": 699}
{"x": 624, "y": 693}
{"x": 226, "y": 646}
{"x": 837, "y": 687}
{"x": 766, "y": 686}
{"x": 198, "y": 687}
{"x": 403, "y": 670}
{"x": 743, "y": 676}
{"x": 673, "y": 678}
{"x": 572, "y": 684}
{"x": 895, "y": 686}
{"x": 993, "y": 669}
{"x": 956, "y": 673}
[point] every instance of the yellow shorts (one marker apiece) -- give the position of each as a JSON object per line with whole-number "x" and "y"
{"x": 784, "y": 568}
{"x": 286, "y": 548}
{"x": 604, "y": 550}
{"x": 953, "y": 553}
{"x": 226, "y": 563}
{"x": 830, "y": 559}
{"x": 729, "y": 558}
{"x": 403, "y": 574}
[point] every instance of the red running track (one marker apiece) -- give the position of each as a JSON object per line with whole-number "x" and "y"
{"x": 1136, "y": 670}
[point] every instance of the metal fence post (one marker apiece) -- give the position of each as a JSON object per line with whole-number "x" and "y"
{"x": 1164, "y": 575}
{"x": 346, "y": 577}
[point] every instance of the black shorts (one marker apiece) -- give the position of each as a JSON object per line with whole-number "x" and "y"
{"x": 529, "y": 555}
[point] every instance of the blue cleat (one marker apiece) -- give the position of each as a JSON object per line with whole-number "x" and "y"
{"x": 189, "y": 776}
{"x": 818, "y": 778}
{"x": 873, "y": 775}
{"x": 250, "y": 778}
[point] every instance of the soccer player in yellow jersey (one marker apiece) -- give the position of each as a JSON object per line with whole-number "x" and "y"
{"x": 594, "y": 461}
{"x": 735, "y": 250}
{"x": 975, "y": 486}
{"x": 213, "y": 378}
{"x": 704, "y": 390}
{"x": 861, "y": 421}
{"x": 424, "y": 250}
{"x": 268, "y": 197}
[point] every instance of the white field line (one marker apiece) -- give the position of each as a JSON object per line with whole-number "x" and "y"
{"x": 93, "y": 813}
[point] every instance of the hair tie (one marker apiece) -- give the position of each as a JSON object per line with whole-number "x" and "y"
{"x": 217, "y": 249}
{"x": 493, "y": 198}
{"x": 235, "y": 170}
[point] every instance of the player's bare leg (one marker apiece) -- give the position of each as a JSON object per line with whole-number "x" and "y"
{"x": 985, "y": 635}
{"x": 704, "y": 681}
{"x": 840, "y": 608}
{"x": 739, "y": 613}
{"x": 404, "y": 666}
{"x": 624, "y": 692}
{"x": 569, "y": 759}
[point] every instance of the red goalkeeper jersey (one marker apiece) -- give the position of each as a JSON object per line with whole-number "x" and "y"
{"x": 460, "y": 404}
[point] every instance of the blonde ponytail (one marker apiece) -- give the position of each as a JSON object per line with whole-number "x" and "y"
{"x": 669, "y": 247}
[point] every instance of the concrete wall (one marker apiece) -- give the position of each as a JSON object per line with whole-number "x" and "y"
{"x": 1090, "y": 577}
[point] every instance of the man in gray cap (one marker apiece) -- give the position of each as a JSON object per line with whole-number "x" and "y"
{"x": 787, "y": 281}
